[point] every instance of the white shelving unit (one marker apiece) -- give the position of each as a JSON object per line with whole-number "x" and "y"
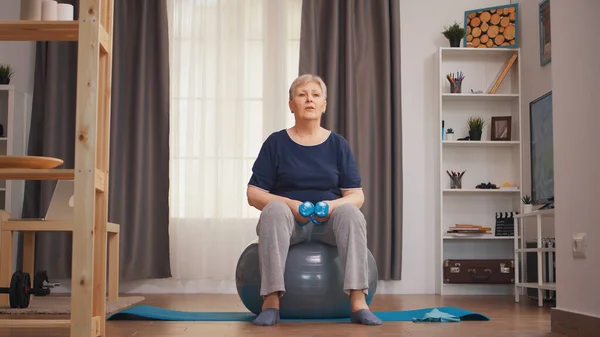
{"x": 13, "y": 141}
{"x": 520, "y": 251}
{"x": 485, "y": 161}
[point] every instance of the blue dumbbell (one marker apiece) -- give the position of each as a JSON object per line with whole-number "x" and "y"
{"x": 321, "y": 210}
{"x": 306, "y": 209}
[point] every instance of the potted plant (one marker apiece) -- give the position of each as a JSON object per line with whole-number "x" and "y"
{"x": 454, "y": 33}
{"x": 475, "y": 125}
{"x": 6, "y": 73}
{"x": 527, "y": 205}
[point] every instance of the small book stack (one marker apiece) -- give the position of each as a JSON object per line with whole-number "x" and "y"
{"x": 468, "y": 230}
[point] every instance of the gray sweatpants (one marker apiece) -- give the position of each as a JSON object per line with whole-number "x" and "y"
{"x": 277, "y": 231}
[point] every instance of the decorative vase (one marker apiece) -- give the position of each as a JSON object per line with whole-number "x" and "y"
{"x": 527, "y": 208}
{"x": 4, "y": 80}
{"x": 455, "y": 41}
{"x": 475, "y": 134}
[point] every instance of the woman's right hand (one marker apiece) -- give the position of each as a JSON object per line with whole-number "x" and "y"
{"x": 295, "y": 207}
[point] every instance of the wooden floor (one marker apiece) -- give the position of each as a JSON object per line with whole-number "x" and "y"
{"x": 508, "y": 318}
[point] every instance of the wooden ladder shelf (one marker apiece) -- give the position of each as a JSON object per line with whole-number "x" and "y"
{"x": 91, "y": 231}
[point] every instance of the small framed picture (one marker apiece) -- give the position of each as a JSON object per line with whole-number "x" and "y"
{"x": 545, "y": 41}
{"x": 501, "y": 127}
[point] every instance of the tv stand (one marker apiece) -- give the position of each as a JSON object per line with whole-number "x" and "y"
{"x": 541, "y": 251}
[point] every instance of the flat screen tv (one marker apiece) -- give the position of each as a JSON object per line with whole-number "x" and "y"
{"x": 542, "y": 150}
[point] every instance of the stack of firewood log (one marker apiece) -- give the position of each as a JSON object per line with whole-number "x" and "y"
{"x": 491, "y": 28}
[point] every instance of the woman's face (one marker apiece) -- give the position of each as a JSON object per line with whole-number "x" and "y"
{"x": 308, "y": 102}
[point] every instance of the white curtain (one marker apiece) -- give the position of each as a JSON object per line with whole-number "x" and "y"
{"x": 232, "y": 62}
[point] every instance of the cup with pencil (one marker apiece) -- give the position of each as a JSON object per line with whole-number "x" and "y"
{"x": 455, "y": 80}
{"x": 455, "y": 179}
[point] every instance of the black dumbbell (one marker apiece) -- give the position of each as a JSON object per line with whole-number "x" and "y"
{"x": 20, "y": 291}
{"x": 41, "y": 285}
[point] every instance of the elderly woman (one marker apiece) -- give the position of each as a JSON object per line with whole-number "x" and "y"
{"x": 309, "y": 163}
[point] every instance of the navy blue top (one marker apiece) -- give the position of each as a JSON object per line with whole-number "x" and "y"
{"x": 305, "y": 173}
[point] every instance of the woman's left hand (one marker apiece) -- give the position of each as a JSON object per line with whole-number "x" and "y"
{"x": 330, "y": 207}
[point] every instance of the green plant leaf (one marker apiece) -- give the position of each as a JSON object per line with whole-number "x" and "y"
{"x": 476, "y": 123}
{"x": 454, "y": 30}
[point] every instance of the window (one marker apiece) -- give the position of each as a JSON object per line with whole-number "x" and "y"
{"x": 232, "y": 62}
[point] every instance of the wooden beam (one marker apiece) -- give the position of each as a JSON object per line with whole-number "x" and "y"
{"x": 101, "y": 181}
{"x": 84, "y": 230}
{"x": 48, "y": 226}
{"x": 37, "y": 174}
{"x": 102, "y": 164}
{"x": 39, "y": 30}
{"x": 35, "y": 323}
{"x": 47, "y": 323}
{"x": 105, "y": 41}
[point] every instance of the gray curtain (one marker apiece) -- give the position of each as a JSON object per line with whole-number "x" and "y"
{"x": 354, "y": 45}
{"x": 139, "y": 159}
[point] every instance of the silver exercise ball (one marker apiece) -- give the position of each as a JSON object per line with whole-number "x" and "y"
{"x": 314, "y": 279}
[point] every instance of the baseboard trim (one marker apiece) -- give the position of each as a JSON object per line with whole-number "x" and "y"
{"x": 572, "y": 324}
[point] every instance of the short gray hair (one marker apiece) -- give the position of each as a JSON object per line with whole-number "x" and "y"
{"x": 306, "y": 78}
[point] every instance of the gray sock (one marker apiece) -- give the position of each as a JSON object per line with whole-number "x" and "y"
{"x": 267, "y": 317}
{"x": 364, "y": 316}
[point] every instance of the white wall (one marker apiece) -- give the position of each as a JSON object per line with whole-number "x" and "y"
{"x": 536, "y": 80}
{"x": 576, "y": 159}
{"x": 19, "y": 54}
{"x": 420, "y": 121}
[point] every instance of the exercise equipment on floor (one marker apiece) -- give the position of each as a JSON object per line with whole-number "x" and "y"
{"x": 146, "y": 312}
{"x": 314, "y": 281}
{"x": 306, "y": 209}
{"x": 20, "y": 290}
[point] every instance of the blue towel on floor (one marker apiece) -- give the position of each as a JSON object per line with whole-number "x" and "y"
{"x": 437, "y": 316}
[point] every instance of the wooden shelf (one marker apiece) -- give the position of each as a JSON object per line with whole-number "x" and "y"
{"x": 91, "y": 246}
{"x": 541, "y": 212}
{"x": 481, "y": 143}
{"x": 465, "y": 51}
{"x": 480, "y": 190}
{"x": 32, "y": 225}
{"x": 545, "y": 286}
{"x": 476, "y": 237}
{"x": 471, "y": 96}
{"x": 37, "y": 174}
{"x": 21, "y": 30}
{"x": 462, "y": 289}
{"x": 535, "y": 250}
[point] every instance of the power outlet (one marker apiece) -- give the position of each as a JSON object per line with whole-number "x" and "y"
{"x": 579, "y": 245}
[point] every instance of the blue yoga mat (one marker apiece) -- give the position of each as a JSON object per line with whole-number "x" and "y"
{"x": 146, "y": 312}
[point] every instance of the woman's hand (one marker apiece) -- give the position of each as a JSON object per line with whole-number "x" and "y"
{"x": 331, "y": 206}
{"x": 295, "y": 207}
